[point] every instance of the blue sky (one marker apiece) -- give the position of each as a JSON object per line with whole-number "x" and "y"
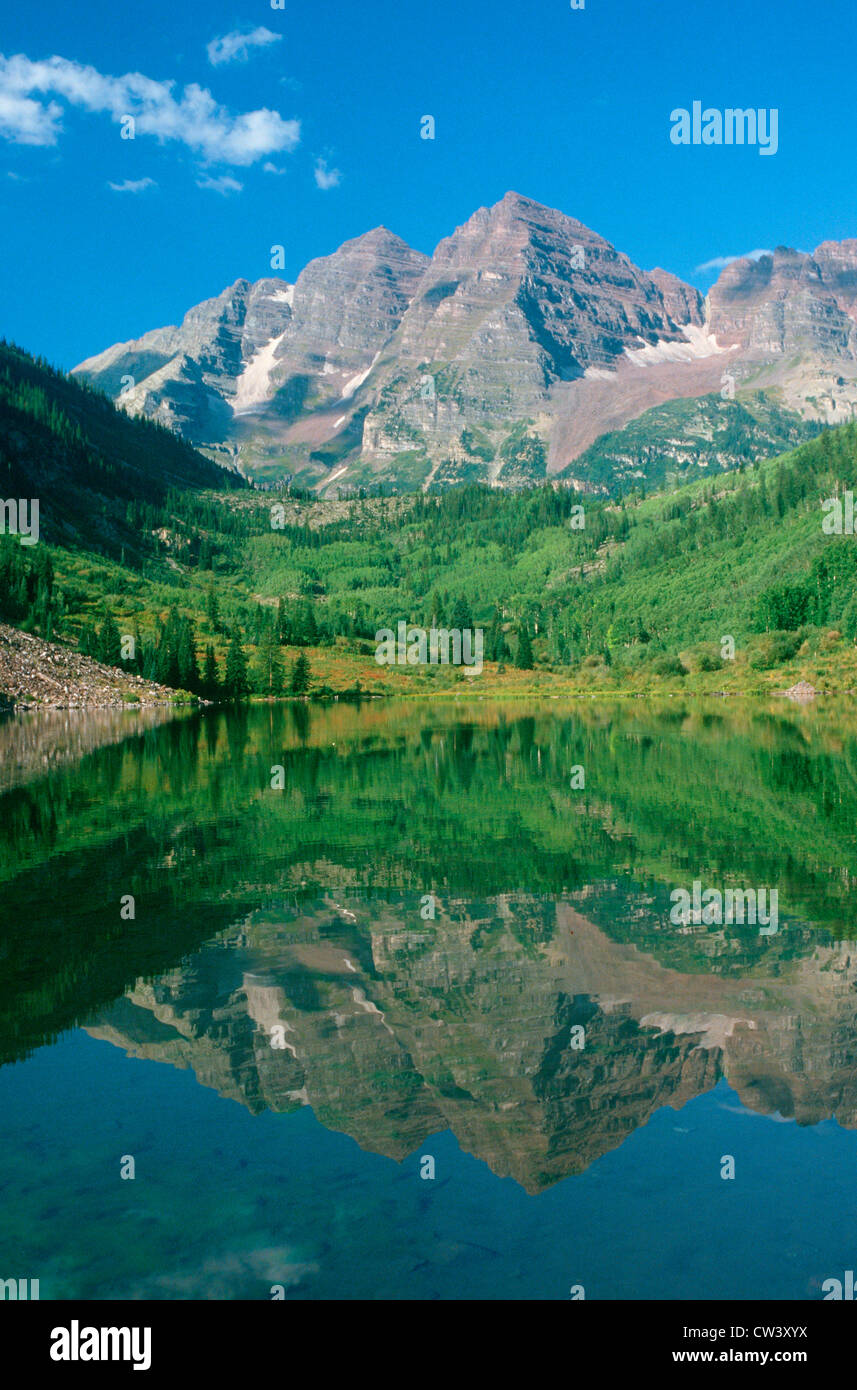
{"x": 571, "y": 107}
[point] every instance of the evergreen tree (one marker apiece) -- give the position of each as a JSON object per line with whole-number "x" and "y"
{"x": 109, "y": 642}
{"x": 497, "y": 650}
{"x": 307, "y": 635}
{"x": 169, "y": 672}
{"x": 235, "y": 682}
{"x": 186, "y": 656}
{"x": 270, "y": 681}
{"x": 87, "y": 642}
{"x": 260, "y": 620}
{"x": 148, "y": 659}
{"x": 524, "y": 656}
{"x": 299, "y": 683}
{"x": 461, "y": 615}
{"x": 162, "y": 657}
{"x": 212, "y": 611}
{"x": 210, "y": 676}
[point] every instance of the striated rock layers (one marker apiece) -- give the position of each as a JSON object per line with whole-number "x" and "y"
{"x": 501, "y": 357}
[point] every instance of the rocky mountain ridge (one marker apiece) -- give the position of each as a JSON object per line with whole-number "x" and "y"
{"x": 503, "y": 356}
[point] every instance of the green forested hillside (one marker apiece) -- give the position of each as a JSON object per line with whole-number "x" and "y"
{"x": 684, "y": 439}
{"x": 103, "y": 484}
{"x": 572, "y": 591}
{"x": 90, "y": 465}
{"x": 743, "y": 555}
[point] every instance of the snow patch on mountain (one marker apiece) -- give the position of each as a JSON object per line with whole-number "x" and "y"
{"x": 351, "y": 386}
{"x": 253, "y": 386}
{"x": 700, "y": 343}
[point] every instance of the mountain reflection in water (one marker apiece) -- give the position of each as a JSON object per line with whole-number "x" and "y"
{"x": 429, "y": 929}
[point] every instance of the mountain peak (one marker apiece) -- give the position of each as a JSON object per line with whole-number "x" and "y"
{"x": 521, "y": 338}
{"x": 379, "y": 240}
{"x": 515, "y": 211}
{"x": 379, "y": 233}
{"x": 513, "y": 199}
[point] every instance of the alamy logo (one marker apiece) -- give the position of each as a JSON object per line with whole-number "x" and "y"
{"x": 78, "y": 1343}
{"x": 417, "y": 647}
{"x": 713, "y": 908}
{"x": 839, "y": 520}
{"x": 14, "y": 521}
{"x": 17, "y": 1289}
{"x": 733, "y": 126}
{"x": 839, "y": 1290}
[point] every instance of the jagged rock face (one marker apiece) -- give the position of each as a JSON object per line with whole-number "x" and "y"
{"x": 789, "y": 302}
{"x": 184, "y": 377}
{"x": 517, "y": 299}
{"x": 682, "y": 303}
{"x": 791, "y": 321}
{"x": 502, "y": 357}
{"x": 346, "y": 308}
{"x": 837, "y": 262}
{"x": 232, "y": 354}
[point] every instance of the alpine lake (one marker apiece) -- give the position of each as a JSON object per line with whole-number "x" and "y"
{"x": 387, "y": 1000}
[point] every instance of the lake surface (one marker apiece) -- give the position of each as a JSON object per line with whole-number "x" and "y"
{"x": 402, "y": 1010}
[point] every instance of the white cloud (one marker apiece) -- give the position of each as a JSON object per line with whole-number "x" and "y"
{"x": 718, "y": 262}
{"x": 225, "y": 184}
{"x": 195, "y": 118}
{"x": 27, "y": 122}
{"x": 324, "y": 177}
{"x": 237, "y": 45}
{"x": 270, "y": 168}
{"x": 132, "y": 185}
